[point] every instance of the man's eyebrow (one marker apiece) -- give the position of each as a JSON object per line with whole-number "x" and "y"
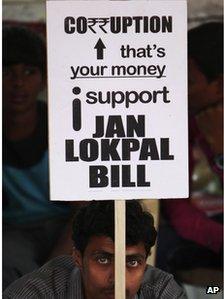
{"x": 135, "y": 256}
{"x": 128, "y": 256}
{"x": 103, "y": 252}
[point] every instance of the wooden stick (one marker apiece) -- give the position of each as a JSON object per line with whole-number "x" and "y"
{"x": 120, "y": 248}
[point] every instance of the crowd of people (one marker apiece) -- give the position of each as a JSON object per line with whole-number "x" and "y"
{"x": 35, "y": 229}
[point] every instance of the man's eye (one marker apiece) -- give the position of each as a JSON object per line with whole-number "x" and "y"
{"x": 132, "y": 263}
{"x": 103, "y": 260}
{"x": 30, "y": 71}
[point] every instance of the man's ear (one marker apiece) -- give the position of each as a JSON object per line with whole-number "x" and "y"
{"x": 77, "y": 257}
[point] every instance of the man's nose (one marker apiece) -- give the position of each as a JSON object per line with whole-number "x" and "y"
{"x": 18, "y": 80}
{"x": 111, "y": 276}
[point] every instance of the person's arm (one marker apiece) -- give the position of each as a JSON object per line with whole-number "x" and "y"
{"x": 158, "y": 284}
{"x": 171, "y": 290}
{"x": 191, "y": 223}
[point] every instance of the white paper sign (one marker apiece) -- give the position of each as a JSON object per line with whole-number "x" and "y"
{"x": 118, "y": 99}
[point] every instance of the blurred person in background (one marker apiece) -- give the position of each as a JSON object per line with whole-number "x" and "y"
{"x": 192, "y": 235}
{"x": 32, "y": 225}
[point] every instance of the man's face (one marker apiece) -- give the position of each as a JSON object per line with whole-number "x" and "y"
{"x": 202, "y": 92}
{"x": 97, "y": 268}
{"x": 21, "y": 85}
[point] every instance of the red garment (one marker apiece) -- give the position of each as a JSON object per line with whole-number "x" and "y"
{"x": 189, "y": 221}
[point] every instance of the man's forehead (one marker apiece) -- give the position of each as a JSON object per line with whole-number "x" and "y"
{"x": 104, "y": 244}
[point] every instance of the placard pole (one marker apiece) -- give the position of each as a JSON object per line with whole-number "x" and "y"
{"x": 120, "y": 248}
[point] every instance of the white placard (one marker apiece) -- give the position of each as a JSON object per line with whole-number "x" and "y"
{"x": 117, "y": 80}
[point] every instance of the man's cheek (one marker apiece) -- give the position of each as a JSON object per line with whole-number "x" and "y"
{"x": 92, "y": 283}
{"x": 98, "y": 276}
{"x": 133, "y": 282}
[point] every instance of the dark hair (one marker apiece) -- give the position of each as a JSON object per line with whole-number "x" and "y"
{"x": 21, "y": 45}
{"x": 97, "y": 219}
{"x": 205, "y": 46}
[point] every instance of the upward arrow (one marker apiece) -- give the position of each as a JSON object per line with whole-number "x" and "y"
{"x": 99, "y": 49}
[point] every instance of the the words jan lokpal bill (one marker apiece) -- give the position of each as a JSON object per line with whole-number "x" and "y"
{"x": 117, "y": 99}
